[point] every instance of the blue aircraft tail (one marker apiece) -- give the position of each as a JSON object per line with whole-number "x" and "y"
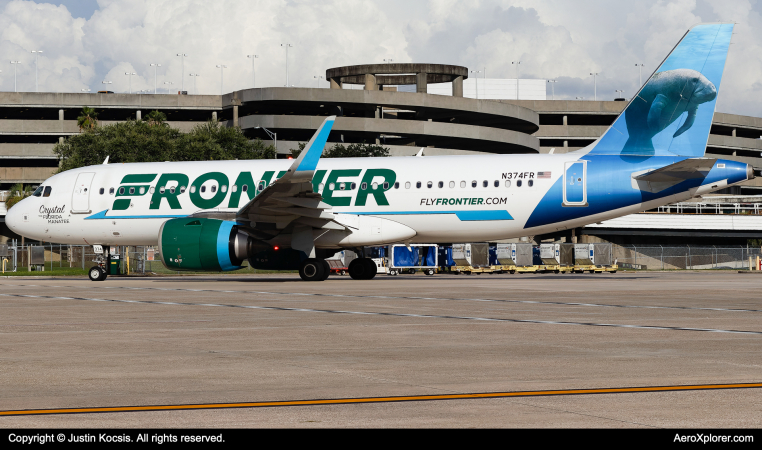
{"x": 672, "y": 113}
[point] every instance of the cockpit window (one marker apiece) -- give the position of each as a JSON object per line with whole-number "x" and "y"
{"x": 47, "y": 191}
{"x": 38, "y": 191}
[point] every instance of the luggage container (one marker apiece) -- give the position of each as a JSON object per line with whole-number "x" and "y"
{"x": 408, "y": 259}
{"x": 594, "y": 258}
{"x": 471, "y": 258}
{"x": 502, "y": 261}
{"x": 339, "y": 262}
{"x": 549, "y": 258}
{"x": 522, "y": 255}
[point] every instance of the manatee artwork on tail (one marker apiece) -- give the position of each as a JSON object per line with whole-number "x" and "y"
{"x": 663, "y": 100}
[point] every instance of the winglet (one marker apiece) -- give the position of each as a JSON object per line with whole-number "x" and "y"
{"x": 305, "y": 164}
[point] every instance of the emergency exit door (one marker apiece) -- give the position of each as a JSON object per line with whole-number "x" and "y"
{"x": 80, "y": 198}
{"x": 575, "y": 183}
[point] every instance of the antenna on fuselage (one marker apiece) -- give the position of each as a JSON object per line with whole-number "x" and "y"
{"x": 105, "y": 161}
{"x": 420, "y": 152}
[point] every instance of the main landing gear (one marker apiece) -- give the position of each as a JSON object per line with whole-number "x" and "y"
{"x": 97, "y": 273}
{"x": 313, "y": 269}
{"x": 362, "y": 269}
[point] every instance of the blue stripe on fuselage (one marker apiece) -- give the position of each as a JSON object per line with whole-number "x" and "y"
{"x": 609, "y": 186}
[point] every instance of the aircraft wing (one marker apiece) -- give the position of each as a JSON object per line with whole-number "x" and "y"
{"x": 291, "y": 200}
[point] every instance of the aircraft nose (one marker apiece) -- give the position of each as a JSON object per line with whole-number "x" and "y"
{"x": 14, "y": 218}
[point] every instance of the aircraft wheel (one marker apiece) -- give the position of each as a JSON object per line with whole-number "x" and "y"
{"x": 362, "y": 269}
{"x": 326, "y": 269}
{"x": 312, "y": 269}
{"x": 96, "y": 273}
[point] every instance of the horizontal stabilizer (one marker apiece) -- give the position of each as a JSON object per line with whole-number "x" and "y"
{"x": 668, "y": 176}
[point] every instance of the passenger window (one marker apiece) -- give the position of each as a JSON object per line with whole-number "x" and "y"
{"x": 418, "y": 184}
{"x": 172, "y": 190}
{"x": 452, "y": 184}
{"x": 396, "y": 185}
{"x": 244, "y": 188}
{"x": 161, "y": 190}
{"x": 441, "y": 184}
{"x": 530, "y": 183}
{"x": 224, "y": 188}
{"x": 38, "y": 192}
{"x": 193, "y": 189}
{"x": 473, "y": 183}
{"x": 429, "y": 184}
{"x": 485, "y": 183}
{"x": 142, "y": 190}
{"x": 111, "y": 191}
{"x": 507, "y": 183}
{"x": 353, "y": 186}
{"x": 341, "y": 186}
{"x": 374, "y": 185}
{"x": 47, "y": 191}
{"x": 233, "y": 188}
{"x": 132, "y": 190}
{"x": 462, "y": 184}
{"x": 331, "y": 186}
{"x": 386, "y": 185}
{"x": 101, "y": 191}
{"x": 182, "y": 189}
{"x": 203, "y": 188}
{"x": 214, "y": 188}
{"x": 364, "y": 186}
{"x": 262, "y": 185}
{"x": 407, "y": 185}
{"x": 497, "y": 183}
{"x": 121, "y": 191}
{"x": 321, "y": 186}
{"x": 518, "y": 183}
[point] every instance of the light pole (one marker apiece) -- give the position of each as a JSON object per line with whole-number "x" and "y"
{"x": 476, "y": 79}
{"x": 273, "y": 136}
{"x": 552, "y": 88}
{"x": 221, "y": 67}
{"x": 579, "y": 98}
{"x": 36, "y": 63}
{"x": 130, "y": 74}
{"x": 287, "y": 46}
{"x": 620, "y": 92}
{"x": 155, "y": 67}
{"x": 595, "y": 85}
{"x": 318, "y": 77}
{"x": 253, "y": 72}
{"x": 15, "y": 65}
{"x": 517, "y": 77}
{"x": 106, "y": 82}
{"x": 388, "y": 61}
{"x": 182, "y": 70}
{"x": 85, "y": 90}
{"x": 168, "y": 83}
{"x": 640, "y": 70}
{"x": 194, "y": 75}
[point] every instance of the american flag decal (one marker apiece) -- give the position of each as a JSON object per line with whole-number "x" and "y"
{"x": 543, "y": 174}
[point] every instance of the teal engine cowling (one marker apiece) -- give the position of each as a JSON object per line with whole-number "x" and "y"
{"x": 205, "y": 244}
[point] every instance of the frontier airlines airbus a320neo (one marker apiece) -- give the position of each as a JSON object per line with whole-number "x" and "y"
{"x": 283, "y": 214}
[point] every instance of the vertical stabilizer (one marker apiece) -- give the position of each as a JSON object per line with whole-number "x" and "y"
{"x": 672, "y": 113}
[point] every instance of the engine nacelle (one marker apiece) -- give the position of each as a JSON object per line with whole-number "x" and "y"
{"x": 204, "y": 244}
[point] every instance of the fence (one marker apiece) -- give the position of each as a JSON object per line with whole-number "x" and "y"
{"x": 687, "y": 257}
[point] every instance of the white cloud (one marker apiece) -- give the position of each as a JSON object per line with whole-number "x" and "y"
{"x": 552, "y": 38}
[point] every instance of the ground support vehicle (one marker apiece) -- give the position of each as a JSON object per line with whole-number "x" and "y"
{"x": 411, "y": 258}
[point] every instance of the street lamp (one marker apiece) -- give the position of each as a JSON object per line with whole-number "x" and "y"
{"x": 194, "y": 75}
{"x": 273, "y": 136}
{"x": 220, "y": 66}
{"x": 388, "y": 61}
{"x": 552, "y": 88}
{"x": 620, "y": 93}
{"x": 168, "y": 83}
{"x": 579, "y": 98}
{"x": 36, "y": 63}
{"x": 253, "y": 72}
{"x": 287, "y": 46}
{"x": 15, "y": 65}
{"x": 517, "y": 77}
{"x": 595, "y": 85}
{"x": 318, "y": 77}
{"x": 105, "y": 82}
{"x": 640, "y": 70}
{"x": 476, "y": 79}
{"x": 182, "y": 70}
{"x": 130, "y": 74}
{"x": 85, "y": 90}
{"x": 155, "y": 67}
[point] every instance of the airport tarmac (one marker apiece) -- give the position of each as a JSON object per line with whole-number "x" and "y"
{"x": 226, "y": 340}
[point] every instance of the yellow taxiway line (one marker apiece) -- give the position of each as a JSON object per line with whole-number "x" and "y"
{"x": 412, "y": 398}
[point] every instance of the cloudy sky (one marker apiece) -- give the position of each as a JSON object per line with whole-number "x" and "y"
{"x": 85, "y": 42}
